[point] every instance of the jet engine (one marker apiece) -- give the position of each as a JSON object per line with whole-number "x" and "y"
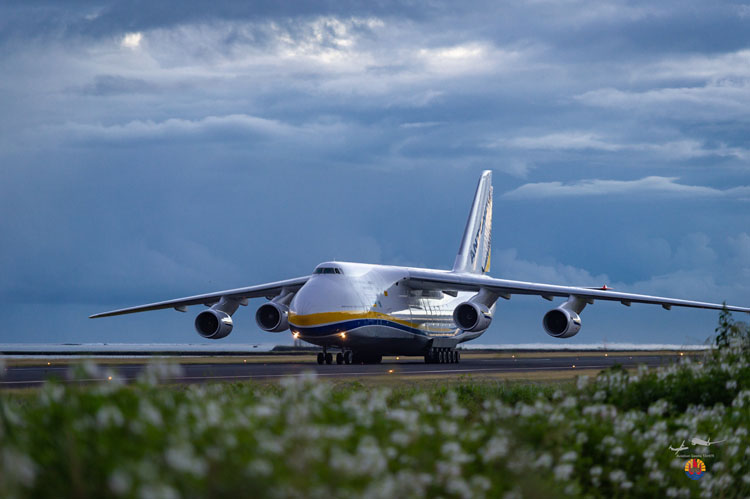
{"x": 472, "y": 316}
{"x": 213, "y": 324}
{"x": 561, "y": 322}
{"x": 272, "y": 317}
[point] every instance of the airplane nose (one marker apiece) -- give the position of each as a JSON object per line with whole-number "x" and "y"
{"x": 324, "y": 294}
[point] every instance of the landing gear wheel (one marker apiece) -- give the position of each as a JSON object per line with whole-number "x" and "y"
{"x": 339, "y": 358}
{"x": 329, "y": 359}
{"x": 458, "y": 356}
{"x": 441, "y": 357}
{"x": 321, "y": 358}
{"x": 347, "y": 357}
{"x": 455, "y": 357}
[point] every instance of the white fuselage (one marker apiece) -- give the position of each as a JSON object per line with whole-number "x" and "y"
{"x": 362, "y": 306}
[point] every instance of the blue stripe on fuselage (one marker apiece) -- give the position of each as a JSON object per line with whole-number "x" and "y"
{"x": 342, "y": 327}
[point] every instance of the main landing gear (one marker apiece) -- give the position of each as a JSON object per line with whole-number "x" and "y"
{"x": 349, "y": 357}
{"x": 442, "y": 356}
{"x": 341, "y": 357}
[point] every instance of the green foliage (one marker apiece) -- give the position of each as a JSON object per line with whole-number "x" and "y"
{"x": 601, "y": 437}
{"x": 730, "y": 333}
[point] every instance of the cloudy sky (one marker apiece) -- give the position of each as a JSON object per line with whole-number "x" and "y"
{"x": 150, "y": 151}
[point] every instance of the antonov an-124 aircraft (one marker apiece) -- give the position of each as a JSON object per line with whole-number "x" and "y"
{"x": 362, "y": 311}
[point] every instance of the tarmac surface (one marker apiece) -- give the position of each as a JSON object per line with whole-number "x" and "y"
{"x": 17, "y": 376}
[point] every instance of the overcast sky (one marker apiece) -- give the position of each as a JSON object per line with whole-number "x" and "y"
{"x": 150, "y": 151}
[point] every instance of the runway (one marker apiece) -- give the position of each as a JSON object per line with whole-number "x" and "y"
{"x": 474, "y": 365}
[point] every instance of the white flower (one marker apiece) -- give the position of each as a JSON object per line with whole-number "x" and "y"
{"x": 448, "y": 428}
{"x": 658, "y": 408}
{"x": 724, "y": 482}
{"x": 544, "y": 461}
{"x": 51, "y": 393}
{"x": 409, "y": 419}
{"x": 731, "y": 384}
{"x": 617, "y": 476}
{"x": 263, "y": 411}
{"x": 569, "y": 402}
{"x": 109, "y": 415}
{"x": 19, "y": 466}
{"x": 656, "y": 476}
{"x": 401, "y": 438}
{"x": 563, "y": 471}
{"x": 260, "y": 467}
{"x": 526, "y": 411}
{"x": 480, "y": 483}
{"x": 582, "y": 382}
{"x": 182, "y": 458}
{"x": 609, "y": 441}
{"x": 149, "y": 413}
{"x": 569, "y": 456}
{"x": 450, "y": 448}
{"x": 119, "y": 482}
{"x": 513, "y": 494}
{"x": 595, "y": 470}
{"x": 370, "y": 459}
{"x": 158, "y": 491}
{"x": 497, "y": 447}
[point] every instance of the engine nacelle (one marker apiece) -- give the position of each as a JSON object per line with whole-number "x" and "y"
{"x": 213, "y": 324}
{"x": 272, "y": 317}
{"x": 561, "y": 322}
{"x": 472, "y": 316}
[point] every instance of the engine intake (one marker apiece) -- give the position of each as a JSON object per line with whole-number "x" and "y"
{"x": 272, "y": 317}
{"x": 213, "y": 324}
{"x": 561, "y": 322}
{"x": 472, "y": 316}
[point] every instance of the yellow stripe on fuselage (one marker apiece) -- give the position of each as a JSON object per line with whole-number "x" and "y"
{"x": 324, "y": 318}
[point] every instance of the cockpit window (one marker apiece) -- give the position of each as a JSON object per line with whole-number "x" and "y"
{"x": 328, "y": 270}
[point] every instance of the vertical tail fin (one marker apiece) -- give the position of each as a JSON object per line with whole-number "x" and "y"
{"x": 474, "y": 253}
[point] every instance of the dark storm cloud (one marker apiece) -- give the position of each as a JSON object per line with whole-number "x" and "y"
{"x": 97, "y": 19}
{"x": 114, "y": 84}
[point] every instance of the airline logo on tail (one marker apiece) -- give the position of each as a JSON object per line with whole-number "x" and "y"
{"x": 483, "y": 238}
{"x": 487, "y": 249}
{"x": 474, "y": 253}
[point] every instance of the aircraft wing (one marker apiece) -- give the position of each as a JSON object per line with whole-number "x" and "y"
{"x": 268, "y": 289}
{"x": 451, "y": 281}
